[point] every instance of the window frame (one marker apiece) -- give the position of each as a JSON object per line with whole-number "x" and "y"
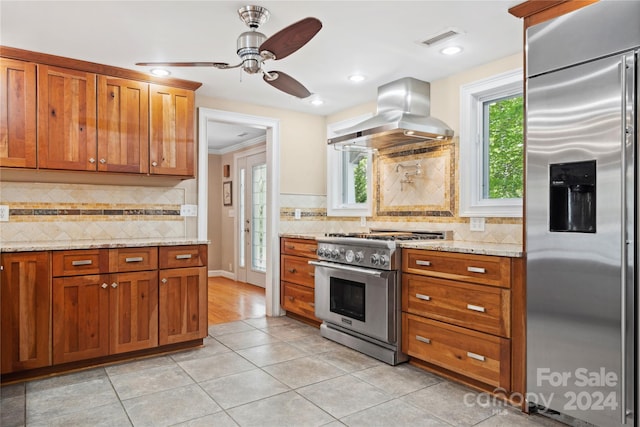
{"x": 335, "y": 179}
{"x": 472, "y": 161}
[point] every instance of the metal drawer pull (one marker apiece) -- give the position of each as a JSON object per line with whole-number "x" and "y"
{"x": 292, "y": 270}
{"x": 421, "y": 262}
{"x": 475, "y": 356}
{"x": 82, "y": 262}
{"x": 185, "y": 256}
{"x": 476, "y": 308}
{"x": 290, "y": 247}
{"x": 423, "y": 339}
{"x": 423, "y": 297}
{"x": 134, "y": 259}
{"x": 476, "y": 270}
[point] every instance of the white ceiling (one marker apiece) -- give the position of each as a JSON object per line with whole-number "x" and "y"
{"x": 380, "y": 39}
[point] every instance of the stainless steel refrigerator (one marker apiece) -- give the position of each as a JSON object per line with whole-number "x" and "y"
{"x": 581, "y": 214}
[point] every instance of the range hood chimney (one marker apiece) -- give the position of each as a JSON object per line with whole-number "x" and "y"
{"x": 403, "y": 117}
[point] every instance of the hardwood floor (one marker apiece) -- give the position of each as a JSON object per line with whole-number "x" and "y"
{"x": 230, "y": 300}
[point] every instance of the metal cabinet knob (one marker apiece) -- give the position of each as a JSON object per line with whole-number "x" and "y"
{"x": 114, "y": 285}
{"x": 103, "y": 161}
{"x": 164, "y": 280}
{"x": 154, "y": 164}
{"x": 92, "y": 160}
{"x": 105, "y": 286}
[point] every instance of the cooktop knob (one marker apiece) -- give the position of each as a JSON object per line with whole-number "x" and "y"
{"x": 359, "y": 256}
{"x": 335, "y": 254}
{"x": 384, "y": 260}
{"x": 375, "y": 259}
{"x": 320, "y": 251}
{"x": 349, "y": 256}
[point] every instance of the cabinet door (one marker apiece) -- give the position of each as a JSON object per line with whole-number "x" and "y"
{"x": 183, "y": 304}
{"x": 171, "y": 131}
{"x": 123, "y": 125}
{"x": 80, "y": 317}
{"x": 66, "y": 119}
{"x": 133, "y": 307}
{"x": 26, "y": 311}
{"x": 17, "y": 114}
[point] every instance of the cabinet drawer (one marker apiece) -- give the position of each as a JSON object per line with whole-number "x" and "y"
{"x": 299, "y": 247}
{"x": 297, "y": 270}
{"x": 483, "y": 357}
{"x": 298, "y": 299}
{"x": 484, "y": 308}
{"x": 80, "y": 262}
{"x": 133, "y": 259}
{"x": 483, "y": 269}
{"x": 182, "y": 256}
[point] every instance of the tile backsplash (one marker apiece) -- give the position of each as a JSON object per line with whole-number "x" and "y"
{"x": 62, "y": 212}
{"x": 404, "y": 200}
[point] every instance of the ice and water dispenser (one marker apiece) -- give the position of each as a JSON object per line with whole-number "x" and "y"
{"x": 572, "y": 200}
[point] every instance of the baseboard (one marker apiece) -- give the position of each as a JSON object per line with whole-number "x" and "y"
{"x": 222, "y": 273}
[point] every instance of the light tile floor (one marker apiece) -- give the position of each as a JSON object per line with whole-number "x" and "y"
{"x": 256, "y": 372}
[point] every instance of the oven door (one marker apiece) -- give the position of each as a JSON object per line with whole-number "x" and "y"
{"x": 358, "y": 299}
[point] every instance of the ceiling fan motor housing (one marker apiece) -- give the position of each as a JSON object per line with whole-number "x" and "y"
{"x": 248, "y": 44}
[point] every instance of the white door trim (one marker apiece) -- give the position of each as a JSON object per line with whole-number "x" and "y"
{"x": 272, "y": 125}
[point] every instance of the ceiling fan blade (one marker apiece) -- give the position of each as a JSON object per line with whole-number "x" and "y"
{"x": 286, "y": 83}
{"x": 186, "y": 64}
{"x": 289, "y": 39}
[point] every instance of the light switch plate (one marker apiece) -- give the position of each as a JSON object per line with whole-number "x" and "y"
{"x": 188, "y": 210}
{"x": 4, "y": 213}
{"x": 476, "y": 224}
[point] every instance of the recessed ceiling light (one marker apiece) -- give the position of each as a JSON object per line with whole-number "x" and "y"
{"x": 160, "y": 72}
{"x": 317, "y": 101}
{"x": 451, "y": 50}
{"x": 356, "y": 78}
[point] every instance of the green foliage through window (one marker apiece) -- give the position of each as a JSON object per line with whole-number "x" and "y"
{"x": 360, "y": 180}
{"x": 503, "y": 148}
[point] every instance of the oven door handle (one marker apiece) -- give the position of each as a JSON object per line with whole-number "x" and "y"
{"x": 374, "y": 273}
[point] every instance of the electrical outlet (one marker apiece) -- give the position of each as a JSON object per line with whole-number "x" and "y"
{"x": 188, "y": 210}
{"x": 476, "y": 224}
{"x": 297, "y": 214}
{"x": 4, "y": 213}
{"x": 363, "y": 221}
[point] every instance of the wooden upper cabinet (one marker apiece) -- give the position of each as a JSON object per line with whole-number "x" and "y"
{"x": 171, "y": 140}
{"x": 123, "y": 125}
{"x": 17, "y": 113}
{"x": 66, "y": 119}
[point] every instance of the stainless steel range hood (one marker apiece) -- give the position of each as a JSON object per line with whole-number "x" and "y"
{"x": 403, "y": 117}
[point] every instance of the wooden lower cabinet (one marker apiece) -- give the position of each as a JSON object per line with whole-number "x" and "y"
{"x": 133, "y": 307}
{"x": 80, "y": 318}
{"x": 182, "y": 304}
{"x": 25, "y": 297}
{"x": 298, "y": 299}
{"x": 476, "y": 355}
{"x": 297, "y": 278}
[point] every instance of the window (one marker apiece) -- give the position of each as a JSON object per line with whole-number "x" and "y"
{"x": 349, "y": 176}
{"x": 491, "y": 146}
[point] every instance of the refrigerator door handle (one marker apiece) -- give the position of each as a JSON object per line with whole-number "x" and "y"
{"x": 627, "y": 157}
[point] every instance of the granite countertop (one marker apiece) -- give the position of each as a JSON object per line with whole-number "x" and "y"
{"x": 479, "y": 248}
{"x": 94, "y": 244}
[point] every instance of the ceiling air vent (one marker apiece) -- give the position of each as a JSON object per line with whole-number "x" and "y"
{"x": 447, "y": 34}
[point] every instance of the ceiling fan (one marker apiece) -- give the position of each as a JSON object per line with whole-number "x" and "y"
{"x": 254, "y": 48}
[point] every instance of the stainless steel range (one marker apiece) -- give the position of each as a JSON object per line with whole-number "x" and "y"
{"x": 357, "y": 290}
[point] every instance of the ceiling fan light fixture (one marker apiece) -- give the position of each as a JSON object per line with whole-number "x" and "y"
{"x": 317, "y": 102}
{"x": 356, "y": 78}
{"x": 160, "y": 72}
